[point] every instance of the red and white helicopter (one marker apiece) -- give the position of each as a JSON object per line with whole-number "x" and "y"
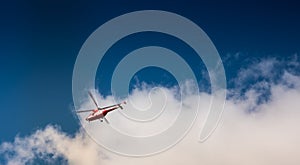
{"x": 100, "y": 113}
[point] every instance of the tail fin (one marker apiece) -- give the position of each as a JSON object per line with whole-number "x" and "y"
{"x": 120, "y": 104}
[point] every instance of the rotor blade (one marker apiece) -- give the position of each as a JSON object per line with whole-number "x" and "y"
{"x": 94, "y": 100}
{"x": 84, "y": 111}
{"x": 119, "y": 105}
{"x": 106, "y": 120}
{"x": 108, "y": 107}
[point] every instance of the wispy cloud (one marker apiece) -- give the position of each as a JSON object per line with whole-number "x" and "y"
{"x": 50, "y": 144}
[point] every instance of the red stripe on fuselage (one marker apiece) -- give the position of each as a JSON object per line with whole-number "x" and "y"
{"x": 104, "y": 112}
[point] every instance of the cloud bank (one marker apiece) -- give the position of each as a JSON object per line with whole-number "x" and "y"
{"x": 260, "y": 125}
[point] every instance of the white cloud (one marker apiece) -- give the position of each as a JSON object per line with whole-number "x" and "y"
{"x": 269, "y": 135}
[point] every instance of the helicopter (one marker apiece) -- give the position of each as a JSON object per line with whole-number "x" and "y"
{"x": 99, "y": 113}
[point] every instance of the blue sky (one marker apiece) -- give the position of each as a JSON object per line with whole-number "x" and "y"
{"x": 40, "y": 41}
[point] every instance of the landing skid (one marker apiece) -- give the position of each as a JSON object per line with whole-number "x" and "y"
{"x": 101, "y": 120}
